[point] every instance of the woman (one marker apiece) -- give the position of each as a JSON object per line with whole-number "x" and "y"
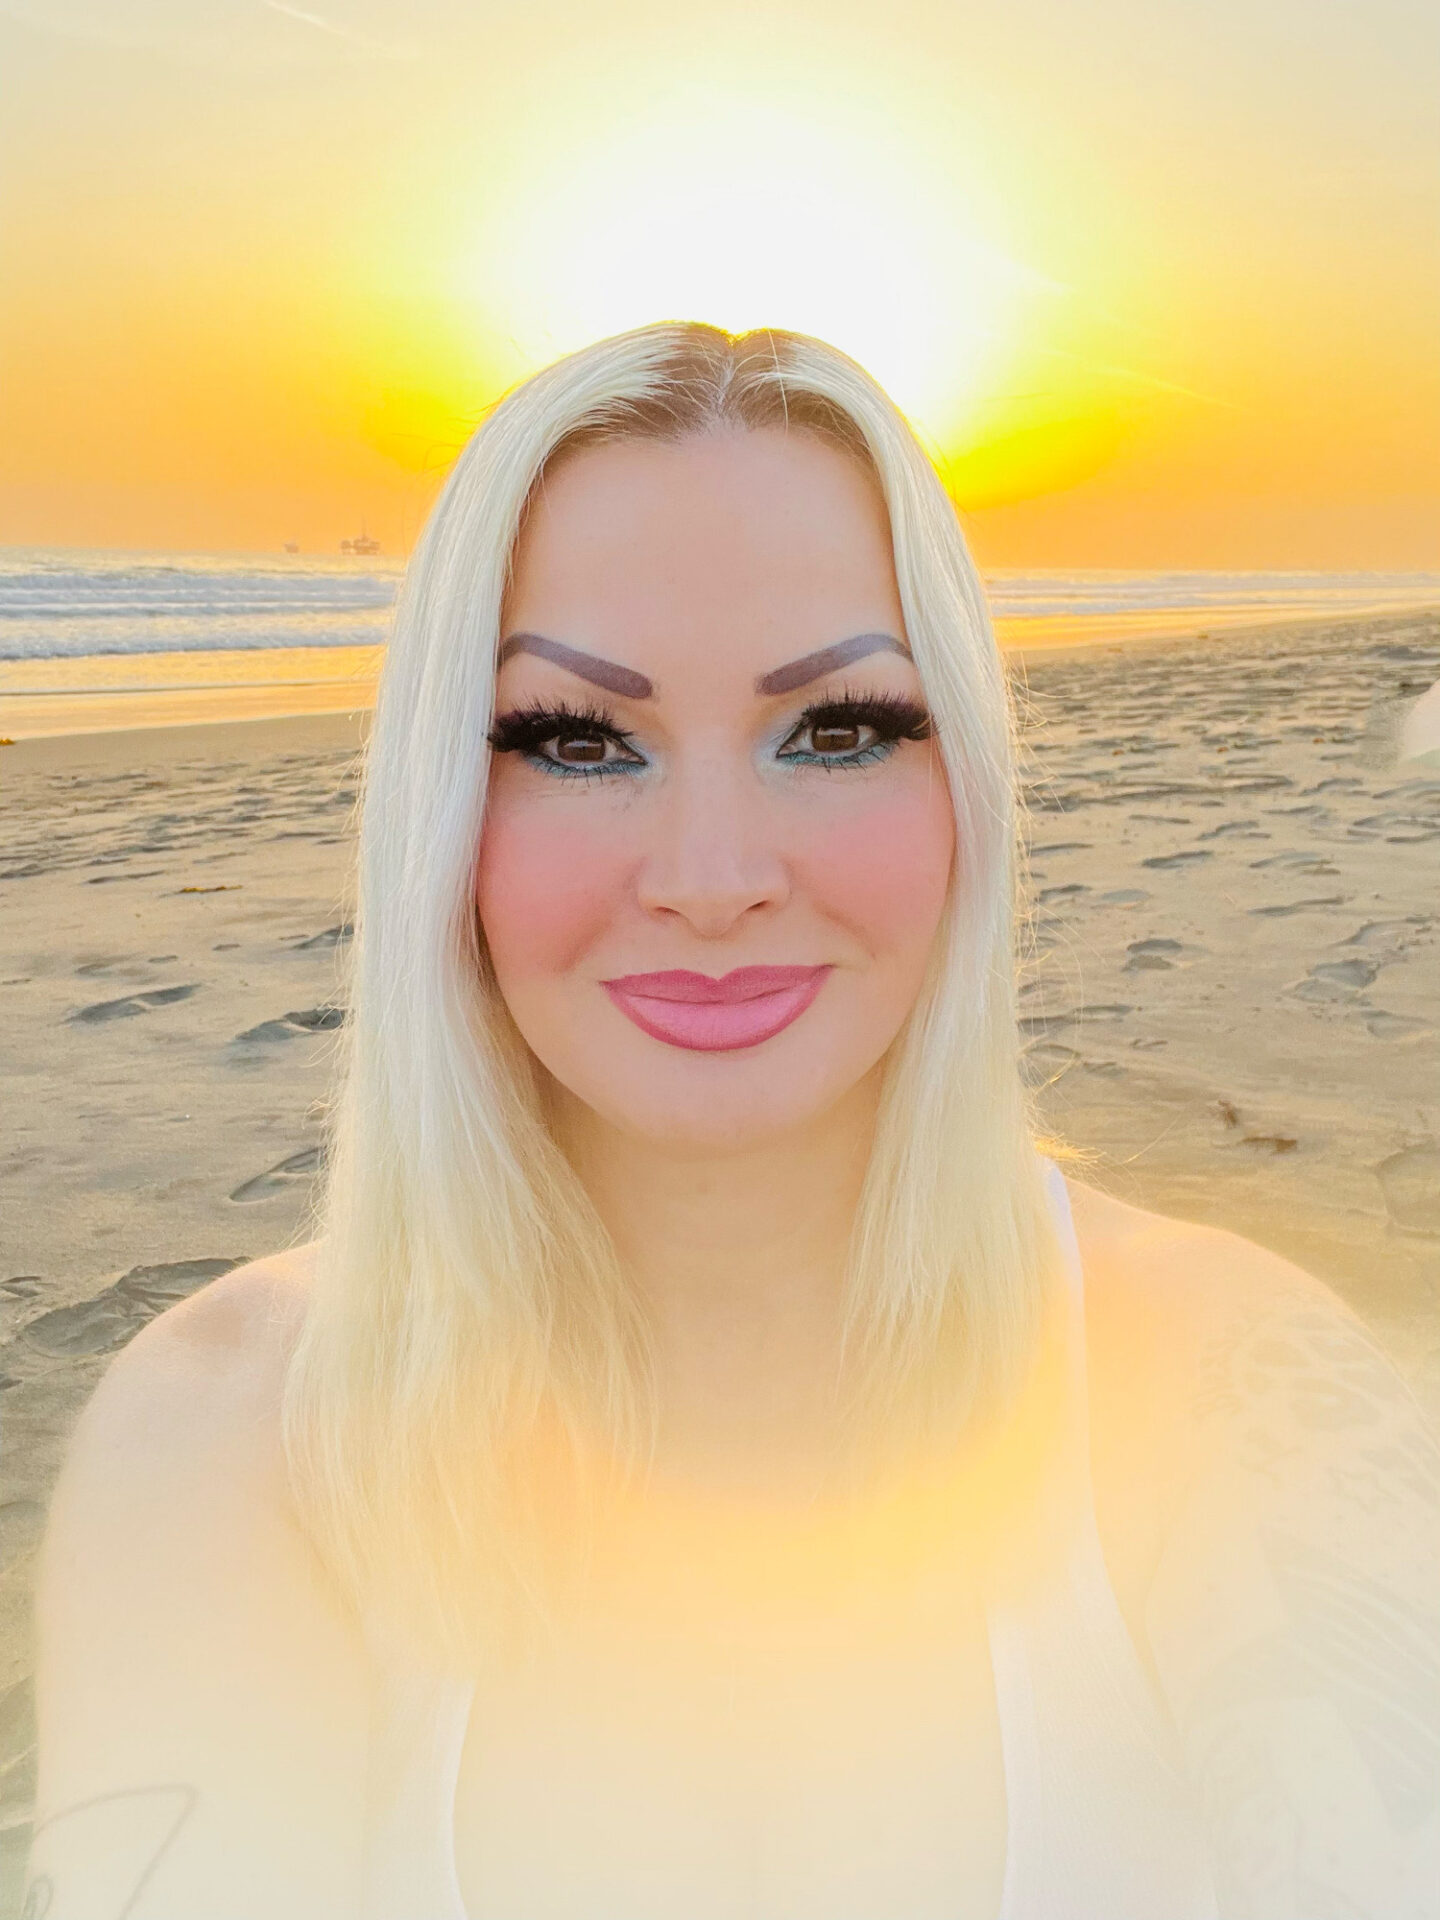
{"x": 667, "y": 1487}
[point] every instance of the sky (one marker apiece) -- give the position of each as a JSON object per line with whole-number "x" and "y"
{"x": 1158, "y": 281}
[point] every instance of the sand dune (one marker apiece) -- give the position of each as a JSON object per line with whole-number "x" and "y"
{"x": 1233, "y": 1001}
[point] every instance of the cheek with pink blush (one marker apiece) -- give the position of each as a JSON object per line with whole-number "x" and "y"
{"x": 547, "y": 889}
{"x": 881, "y": 869}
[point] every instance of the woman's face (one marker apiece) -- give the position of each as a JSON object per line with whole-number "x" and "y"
{"x": 718, "y": 836}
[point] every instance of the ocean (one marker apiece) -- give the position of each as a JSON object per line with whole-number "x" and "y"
{"x": 68, "y": 605}
{"x": 106, "y": 642}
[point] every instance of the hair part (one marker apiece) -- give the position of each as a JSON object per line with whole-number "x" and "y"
{"x": 474, "y": 1367}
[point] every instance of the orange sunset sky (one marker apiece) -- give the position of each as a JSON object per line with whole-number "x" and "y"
{"x": 1158, "y": 279}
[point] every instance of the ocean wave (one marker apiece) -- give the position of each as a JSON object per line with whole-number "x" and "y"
{"x": 58, "y": 605}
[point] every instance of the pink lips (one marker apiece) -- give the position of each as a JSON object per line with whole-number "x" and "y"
{"x": 716, "y": 1016}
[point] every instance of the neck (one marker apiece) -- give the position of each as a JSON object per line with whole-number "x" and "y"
{"x": 739, "y": 1257}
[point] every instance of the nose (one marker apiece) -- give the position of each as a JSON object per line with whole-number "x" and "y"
{"x": 713, "y": 858}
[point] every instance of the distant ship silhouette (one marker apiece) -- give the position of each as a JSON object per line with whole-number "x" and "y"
{"x": 362, "y": 543}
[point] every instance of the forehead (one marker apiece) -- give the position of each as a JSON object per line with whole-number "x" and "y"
{"x": 774, "y": 535}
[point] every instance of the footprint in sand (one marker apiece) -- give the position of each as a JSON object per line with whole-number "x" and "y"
{"x": 1395, "y": 1026}
{"x": 1388, "y": 933}
{"x": 297, "y": 1170}
{"x": 1336, "y": 979}
{"x": 1122, "y": 897}
{"x": 1041, "y": 1025}
{"x": 134, "y": 1003}
{"x": 1300, "y": 906}
{"x": 331, "y": 937}
{"x": 1406, "y": 832}
{"x": 1235, "y": 829}
{"x": 109, "y": 1319}
{"x": 305, "y": 1020}
{"x": 1295, "y": 862}
{"x": 1187, "y": 859}
{"x": 1410, "y": 1181}
{"x": 1156, "y": 956}
{"x": 1337, "y": 783}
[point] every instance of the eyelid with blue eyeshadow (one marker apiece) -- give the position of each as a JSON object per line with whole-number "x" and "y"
{"x": 892, "y": 718}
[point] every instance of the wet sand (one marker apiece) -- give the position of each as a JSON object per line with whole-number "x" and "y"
{"x": 106, "y": 693}
{"x": 1233, "y": 1001}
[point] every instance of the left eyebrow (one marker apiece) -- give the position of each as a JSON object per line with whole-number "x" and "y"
{"x": 814, "y": 666}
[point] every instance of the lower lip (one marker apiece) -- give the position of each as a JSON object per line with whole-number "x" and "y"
{"x": 719, "y": 1026}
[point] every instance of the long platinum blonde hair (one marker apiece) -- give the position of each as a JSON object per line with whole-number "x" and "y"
{"x": 471, "y": 1346}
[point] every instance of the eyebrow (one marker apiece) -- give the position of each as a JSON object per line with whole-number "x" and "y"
{"x": 814, "y": 666}
{"x": 631, "y": 685}
{"x": 608, "y": 674}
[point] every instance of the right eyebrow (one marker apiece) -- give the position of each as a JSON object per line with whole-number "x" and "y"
{"x": 608, "y": 674}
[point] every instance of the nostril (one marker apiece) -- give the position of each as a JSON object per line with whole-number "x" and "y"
{"x": 711, "y": 903}
{"x": 713, "y": 859}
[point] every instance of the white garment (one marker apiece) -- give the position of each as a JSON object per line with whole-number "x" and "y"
{"x": 1101, "y": 1825}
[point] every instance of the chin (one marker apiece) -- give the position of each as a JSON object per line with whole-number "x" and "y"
{"x": 698, "y": 1103}
{"x": 742, "y": 1128}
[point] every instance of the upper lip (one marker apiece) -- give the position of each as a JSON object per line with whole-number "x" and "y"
{"x": 744, "y": 983}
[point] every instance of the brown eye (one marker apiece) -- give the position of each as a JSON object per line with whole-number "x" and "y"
{"x": 579, "y": 749}
{"x": 836, "y": 738}
{"x": 858, "y": 731}
{"x": 565, "y": 740}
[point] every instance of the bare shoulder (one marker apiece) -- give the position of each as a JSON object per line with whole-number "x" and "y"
{"x": 196, "y": 1666}
{"x": 251, "y": 1314}
{"x": 213, "y": 1363}
{"x": 1193, "y": 1269}
{"x": 1192, "y": 1329}
{"x": 1223, "y": 1324}
{"x": 1268, "y": 1494}
{"x": 1172, "y": 1297}
{"x": 1212, "y": 1358}
{"x": 180, "y": 1444}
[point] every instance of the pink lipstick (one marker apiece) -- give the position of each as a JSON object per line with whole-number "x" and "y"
{"x": 716, "y": 1016}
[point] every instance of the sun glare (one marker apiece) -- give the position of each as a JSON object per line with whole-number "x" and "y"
{"x": 743, "y": 215}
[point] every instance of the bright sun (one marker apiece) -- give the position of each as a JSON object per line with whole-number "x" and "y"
{"x": 743, "y": 215}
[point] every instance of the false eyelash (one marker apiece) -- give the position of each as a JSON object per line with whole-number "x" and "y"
{"x": 893, "y": 716}
{"x": 527, "y": 728}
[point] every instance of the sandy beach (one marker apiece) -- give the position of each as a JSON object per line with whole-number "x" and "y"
{"x": 1233, "y": 1001}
